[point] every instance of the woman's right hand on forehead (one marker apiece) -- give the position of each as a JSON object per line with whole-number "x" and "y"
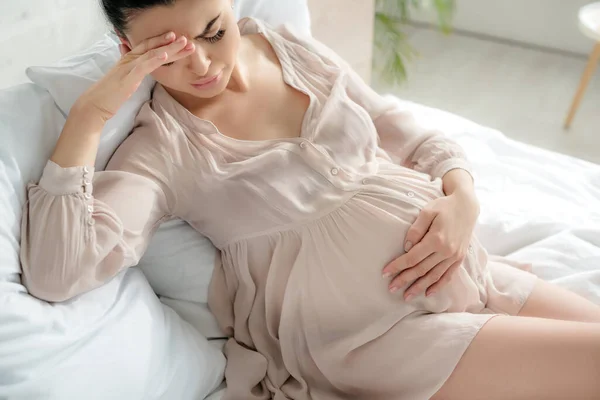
{"x": 108, "y": 94}
{"x": 80, "y": 137}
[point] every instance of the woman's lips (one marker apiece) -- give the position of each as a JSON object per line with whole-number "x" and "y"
{"x": 207, "y": 81}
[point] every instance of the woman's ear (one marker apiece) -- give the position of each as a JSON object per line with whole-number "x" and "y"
{"x": 124, "y": 47}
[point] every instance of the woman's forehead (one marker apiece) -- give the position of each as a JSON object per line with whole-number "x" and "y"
{"x": 184, "y": 17}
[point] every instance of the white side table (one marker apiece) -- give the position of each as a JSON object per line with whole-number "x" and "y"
{"x": 589, "y": 23}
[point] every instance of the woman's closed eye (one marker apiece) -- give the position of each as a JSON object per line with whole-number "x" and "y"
{"x": 217, "y": 37}
{"x": 212, "y": 39}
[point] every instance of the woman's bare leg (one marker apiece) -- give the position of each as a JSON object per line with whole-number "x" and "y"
{"x": 521, "y": 358}
{"x": 553, "y": 302}
{"x": 555, "y": 355}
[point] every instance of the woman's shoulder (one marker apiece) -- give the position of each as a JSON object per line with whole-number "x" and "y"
{"x": 299, "y": 42}
{"x": 286, "y": 31}
{"x": 291, "y": 38}
{"x": 157, "y": 121}
{"x": 147, "y": 147}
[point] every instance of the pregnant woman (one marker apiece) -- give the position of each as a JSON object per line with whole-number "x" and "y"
{"x": 348, "y": 263}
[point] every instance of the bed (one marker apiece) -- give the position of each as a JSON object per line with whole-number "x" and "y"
{"x": 148, "y": 333}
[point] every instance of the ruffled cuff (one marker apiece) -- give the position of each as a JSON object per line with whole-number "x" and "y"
{"x": 60, "y": 181}
{"x": 454, "y": 163}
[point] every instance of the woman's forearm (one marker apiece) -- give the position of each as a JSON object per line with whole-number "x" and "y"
{"x": 459, "y": 182}
{"x": 80, "y": 137}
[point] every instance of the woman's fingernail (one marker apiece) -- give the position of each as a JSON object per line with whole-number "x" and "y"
{"x": 393, "y": 289}
{"x": 181, "y": 39}
{"x": 409, "y": 298}
{"x": 169, "y": 36}
{"x": 408, "y": 246}
{"x": 386, "y": 275}
{"x": 189, "y": 46}
{"x": 431, "y": 293}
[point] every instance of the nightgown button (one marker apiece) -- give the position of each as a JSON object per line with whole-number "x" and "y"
{"x": 334, "y": 171}
{"x": 411, "y": 194}
{"x": 85, "y": 170}
{"x": 91, "y": 222}
{"x": 87, "y": 183}
{"x": 365, "y": 181}
{"x": 87, "y": 196}
{"x": 303, "y": 145}
{"x": 90, "y": 209}
{"x": 471, "y": 249}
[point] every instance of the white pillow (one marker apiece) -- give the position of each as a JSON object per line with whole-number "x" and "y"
{"x": 179, "y": 262}
{"x": 29, "y": 127}
{"x": 69, "y": 78}
{"x": 115, "y": 342}
{"x": 176, "y": 251}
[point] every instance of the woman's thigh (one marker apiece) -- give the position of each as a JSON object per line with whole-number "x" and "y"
{"x": 553, "y": 302}
{"x": 521, "y": 358}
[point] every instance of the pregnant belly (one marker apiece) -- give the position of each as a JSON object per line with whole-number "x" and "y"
{"x": 336, "y": 282}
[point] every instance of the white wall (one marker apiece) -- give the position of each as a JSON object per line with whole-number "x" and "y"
{"x": 40, "y": 31}
{"x": 346, "y": 26}
{"x": 551, "y": 23}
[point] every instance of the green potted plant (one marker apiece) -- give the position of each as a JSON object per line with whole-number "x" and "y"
{"x": 392, "y": 50}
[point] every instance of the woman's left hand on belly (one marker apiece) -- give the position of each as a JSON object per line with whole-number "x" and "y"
{"x": 436, "y": 245}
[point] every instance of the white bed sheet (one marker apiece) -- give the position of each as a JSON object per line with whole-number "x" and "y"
{"x": 536, "y": 206}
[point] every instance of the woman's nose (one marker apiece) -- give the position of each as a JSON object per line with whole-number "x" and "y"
{"x": 199, "y": 61}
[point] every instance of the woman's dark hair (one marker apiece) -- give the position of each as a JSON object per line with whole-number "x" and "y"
{"x": 120, "y": 12}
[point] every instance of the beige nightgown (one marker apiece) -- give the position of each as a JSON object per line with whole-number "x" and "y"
{"x": 304, "y": 227}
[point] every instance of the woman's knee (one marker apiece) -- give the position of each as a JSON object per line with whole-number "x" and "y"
{"x": 553, "y": 302}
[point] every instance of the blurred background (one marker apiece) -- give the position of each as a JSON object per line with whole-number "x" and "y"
{"x": 514, "y": 65}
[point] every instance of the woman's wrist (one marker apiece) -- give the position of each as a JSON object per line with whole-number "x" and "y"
{"x": 459, "y": 185}
{"x": 466, "y": 196}
{"x": 88, "y": 116}
{"x": 458, "y": 180}
{"x": 467, "y": 200}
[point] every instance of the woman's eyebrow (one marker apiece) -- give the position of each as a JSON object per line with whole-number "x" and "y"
{"x": 208, "y": 27}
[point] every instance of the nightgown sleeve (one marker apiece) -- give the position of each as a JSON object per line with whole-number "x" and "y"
{"x": 82, "y": 228}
